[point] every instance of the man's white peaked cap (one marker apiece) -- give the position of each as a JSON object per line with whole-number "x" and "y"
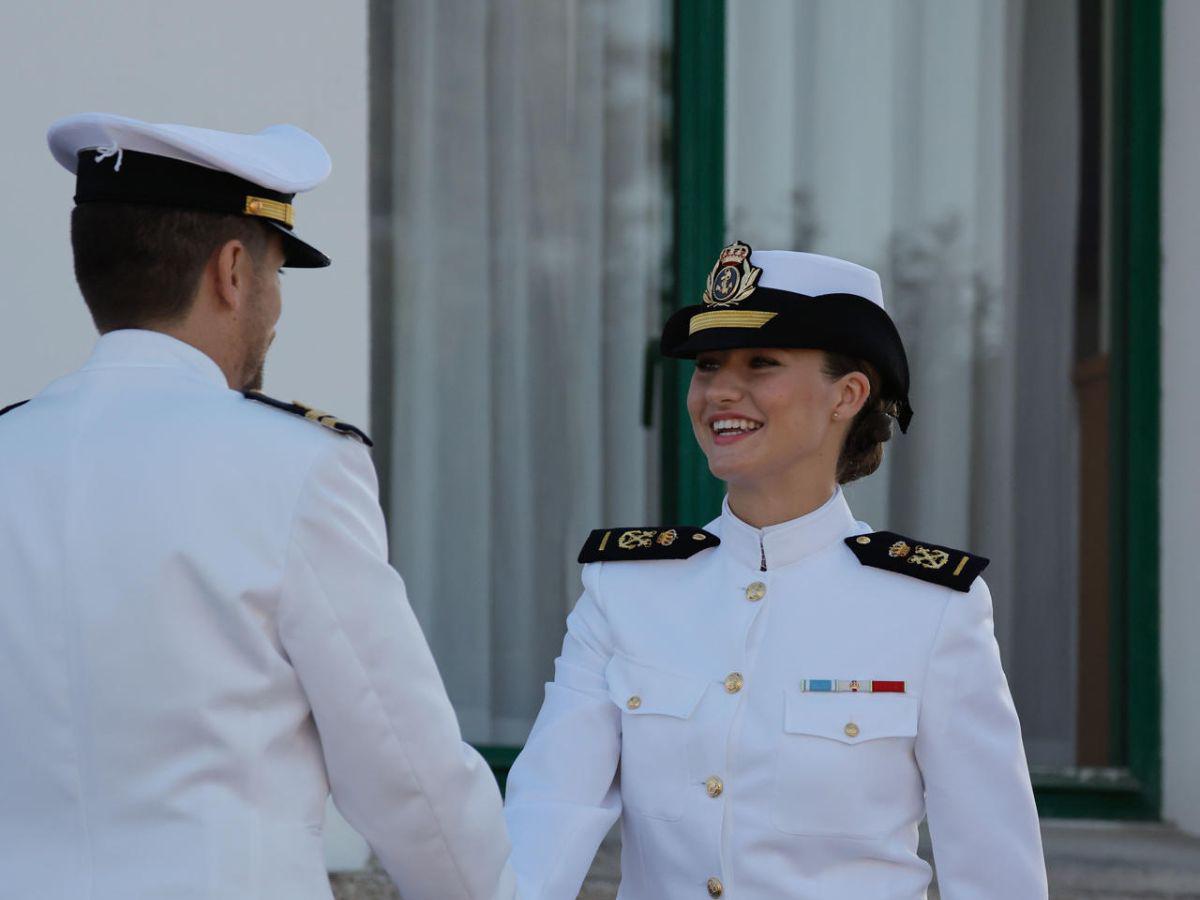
{"x": 814, "y": 275}
{"x": 282, "y": 158}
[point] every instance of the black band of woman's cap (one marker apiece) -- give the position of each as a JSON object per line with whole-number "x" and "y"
{"x": 840, "y": 323}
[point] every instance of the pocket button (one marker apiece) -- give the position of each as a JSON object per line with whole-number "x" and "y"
{"x": 634, "y": 702}
{"x": 851, "y": 730}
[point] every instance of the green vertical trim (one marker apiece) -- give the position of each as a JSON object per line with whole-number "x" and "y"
{"x": 690, "y": 493}
{"x": 1136, "y": 382}
{"x": 1136, "y": 116}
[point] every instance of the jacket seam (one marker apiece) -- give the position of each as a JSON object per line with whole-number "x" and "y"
{"x": 933, "y": 647}
{"x": 391, "y": 728}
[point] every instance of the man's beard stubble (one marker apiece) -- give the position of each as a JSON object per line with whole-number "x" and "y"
{"x": 258, "y": 342}
{"x": 256, "y": 365}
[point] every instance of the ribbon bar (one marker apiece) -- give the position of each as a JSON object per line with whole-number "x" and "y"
{"x": 851, "y": 686}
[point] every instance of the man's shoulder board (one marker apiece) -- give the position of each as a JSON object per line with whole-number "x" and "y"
{"x": 646, "y": 542}
{"x": 313, "y": 415}
{"x": 930, "y": 562}
{"x": 12, "y": 406}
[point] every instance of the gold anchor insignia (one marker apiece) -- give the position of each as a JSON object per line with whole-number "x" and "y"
{"x": 930, "y": 559}
{"x": 631, "y": 540}
{"x": 667, "y": 538}
{"x": 732, "y": 279}
{"x": 899, "y": 550}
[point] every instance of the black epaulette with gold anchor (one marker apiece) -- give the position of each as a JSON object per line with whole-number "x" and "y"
{"x": 930, "y": 562}
{"x": 641, "y": 543}
{"x": 12, "y": 406}
{"x": 313, "y": 415}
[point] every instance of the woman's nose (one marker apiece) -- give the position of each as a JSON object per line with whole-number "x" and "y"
{"x": 724, "y": 385}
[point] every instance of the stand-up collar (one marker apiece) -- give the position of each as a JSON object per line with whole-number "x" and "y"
{"x": 152, "y": 349}
{"x": 787, "y": 542}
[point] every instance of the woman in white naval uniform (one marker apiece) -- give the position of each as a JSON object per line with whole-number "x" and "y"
{"x": 772, "y": 704}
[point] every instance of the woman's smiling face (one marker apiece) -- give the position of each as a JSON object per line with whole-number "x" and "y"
{"x": 766, "y": 416}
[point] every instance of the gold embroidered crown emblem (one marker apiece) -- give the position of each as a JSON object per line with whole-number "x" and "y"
{"x": 732, "y": 279}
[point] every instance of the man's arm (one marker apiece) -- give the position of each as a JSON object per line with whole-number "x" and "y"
{"x": 986, "y": 840}
{"x": 399, "y": 770}
{"x": 562, "y": 798}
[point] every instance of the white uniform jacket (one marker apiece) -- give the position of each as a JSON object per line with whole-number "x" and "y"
{"x": 678, "y": 703}
{"x": 200, "y": 636}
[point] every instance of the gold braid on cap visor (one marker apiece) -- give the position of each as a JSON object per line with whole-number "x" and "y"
{"x": 271, "y": 209}
{"x": 729, "y": 318}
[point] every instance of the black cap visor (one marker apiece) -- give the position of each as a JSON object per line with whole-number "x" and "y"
{"x": 298, "y": 254}
{"x": 839, "y": 323}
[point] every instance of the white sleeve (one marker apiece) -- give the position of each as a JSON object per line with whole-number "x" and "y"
{"x": 561, "y": 798}
{"x": 987, "y": 843}
{"x": 398, "y": 768}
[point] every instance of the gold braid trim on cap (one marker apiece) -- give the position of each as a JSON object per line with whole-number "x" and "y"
{"x": 270, "y": 209}
{"x": 729, "y": 318}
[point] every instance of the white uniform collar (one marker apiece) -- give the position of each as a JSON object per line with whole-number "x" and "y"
{"x": 153, "y": 349}
{"x": 787, "y": 542}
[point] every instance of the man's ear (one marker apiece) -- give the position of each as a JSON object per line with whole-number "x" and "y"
{"x": 232, "y": 269}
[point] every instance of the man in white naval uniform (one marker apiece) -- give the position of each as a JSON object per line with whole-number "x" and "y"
{"x": 200, "y": 634}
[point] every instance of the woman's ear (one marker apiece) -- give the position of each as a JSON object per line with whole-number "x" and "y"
{"x": 853, "y": 390}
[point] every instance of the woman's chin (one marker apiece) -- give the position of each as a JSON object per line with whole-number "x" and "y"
{"x": 732, "y": 468}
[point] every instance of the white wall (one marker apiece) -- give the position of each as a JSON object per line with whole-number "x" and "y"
{"x": 1181, "y": 416}
{"x": 227, "y": 64}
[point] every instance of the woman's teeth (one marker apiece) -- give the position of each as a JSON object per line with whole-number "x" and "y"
{"x": 735, "y": 426}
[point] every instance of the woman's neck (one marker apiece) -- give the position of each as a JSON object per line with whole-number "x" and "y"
{"x": 763, "y": 505}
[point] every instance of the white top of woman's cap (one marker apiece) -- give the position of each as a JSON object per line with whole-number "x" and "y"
{"x": 283, "y": 158}
{"x": 813, "y": 274}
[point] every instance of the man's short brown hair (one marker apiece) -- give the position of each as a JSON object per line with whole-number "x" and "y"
{"x": 140, "y": 265}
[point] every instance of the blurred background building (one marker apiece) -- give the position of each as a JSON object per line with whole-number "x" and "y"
{"x": 523, "y": 189}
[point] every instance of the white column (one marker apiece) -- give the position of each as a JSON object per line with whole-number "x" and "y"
{"x": 1180, "y": 494}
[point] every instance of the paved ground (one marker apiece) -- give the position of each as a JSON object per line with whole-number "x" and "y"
{"x": 1086, "y": 861}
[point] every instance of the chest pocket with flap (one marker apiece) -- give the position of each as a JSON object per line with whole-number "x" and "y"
{"x": 845, "y": 764}
{"x": 656, "y": 707}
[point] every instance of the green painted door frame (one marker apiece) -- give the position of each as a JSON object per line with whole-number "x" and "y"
{"x": 691, "y": 494}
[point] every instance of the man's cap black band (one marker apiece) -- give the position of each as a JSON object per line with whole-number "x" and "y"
{"x": 129, "y": 176}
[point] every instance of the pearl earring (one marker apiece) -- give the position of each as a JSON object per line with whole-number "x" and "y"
{"x": 837, "y": 415}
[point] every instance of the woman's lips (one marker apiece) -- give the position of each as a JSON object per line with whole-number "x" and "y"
{"x": 730, "y": 430}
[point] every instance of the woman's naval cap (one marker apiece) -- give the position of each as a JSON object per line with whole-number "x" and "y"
{"x": 780, "y": 298}
{"x": 121, "y": 160}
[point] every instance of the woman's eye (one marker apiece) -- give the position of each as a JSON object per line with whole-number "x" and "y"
{"x": 763, "y": 362}
{"x": 706, "y": 365}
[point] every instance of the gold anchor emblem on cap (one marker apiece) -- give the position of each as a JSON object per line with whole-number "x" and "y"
{"x": 732, "y": 279}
